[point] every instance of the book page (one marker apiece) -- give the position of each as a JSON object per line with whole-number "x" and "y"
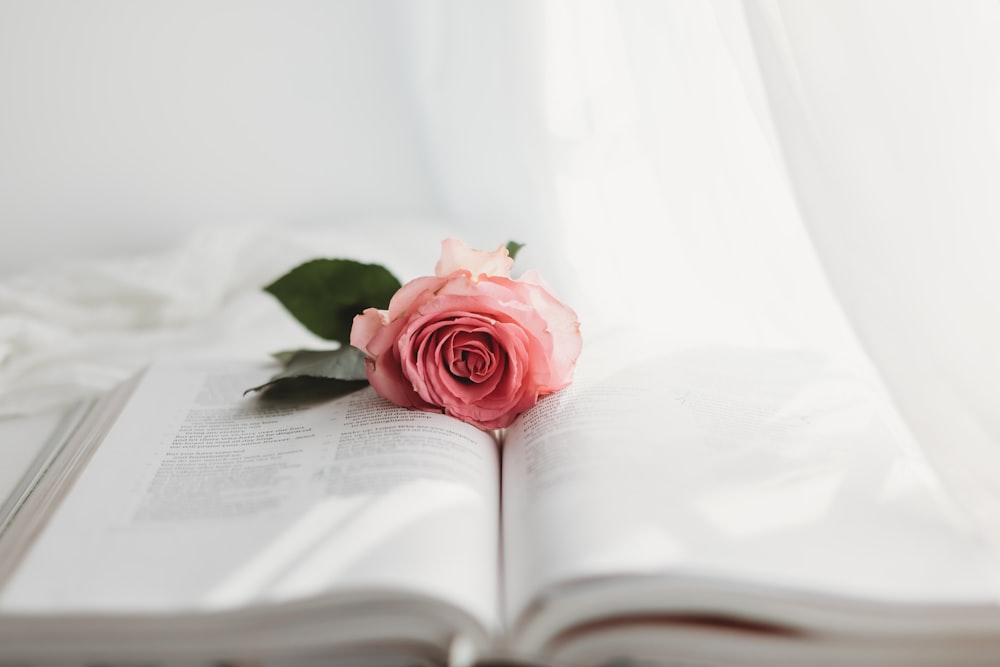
{"x": 728, "y": 464}
{"x": 202, "y": 499}
{"x": 30, "y": 444}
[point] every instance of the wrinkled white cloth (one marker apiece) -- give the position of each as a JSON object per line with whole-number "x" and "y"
{"x": 81, "y": 328}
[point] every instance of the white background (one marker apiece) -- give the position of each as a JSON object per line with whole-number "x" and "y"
{"x": 126, "y": 125}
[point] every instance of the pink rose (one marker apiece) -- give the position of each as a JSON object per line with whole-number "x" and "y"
{"x": 470, "y": 341}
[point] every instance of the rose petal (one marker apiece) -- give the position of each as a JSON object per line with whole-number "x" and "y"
{"x": 366, "y": 325}
{"x": 456, "y": 256}
{"x": 413, "y": 293}
{"x": 384, "y": 370}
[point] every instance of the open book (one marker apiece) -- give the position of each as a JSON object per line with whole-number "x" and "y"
{"x": 710, "y": 506}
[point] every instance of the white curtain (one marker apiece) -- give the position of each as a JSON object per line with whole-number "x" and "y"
{"x": 622, "y": 142}
{"x": 888, "y": 116}
{"x": 760, "y": 172}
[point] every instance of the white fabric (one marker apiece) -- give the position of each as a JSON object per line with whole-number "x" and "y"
{"x": 625, "y": 129}
{"x": 80, "y": 328}
{"x": 888, "y": 117}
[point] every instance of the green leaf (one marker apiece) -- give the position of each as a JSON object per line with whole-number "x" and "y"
{"x": 513, "y": 247}
{"x": 325, "y": 294}
{"x": 340, "y": 370}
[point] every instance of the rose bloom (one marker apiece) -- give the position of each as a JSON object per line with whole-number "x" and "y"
{"x": 470, "y": 341}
